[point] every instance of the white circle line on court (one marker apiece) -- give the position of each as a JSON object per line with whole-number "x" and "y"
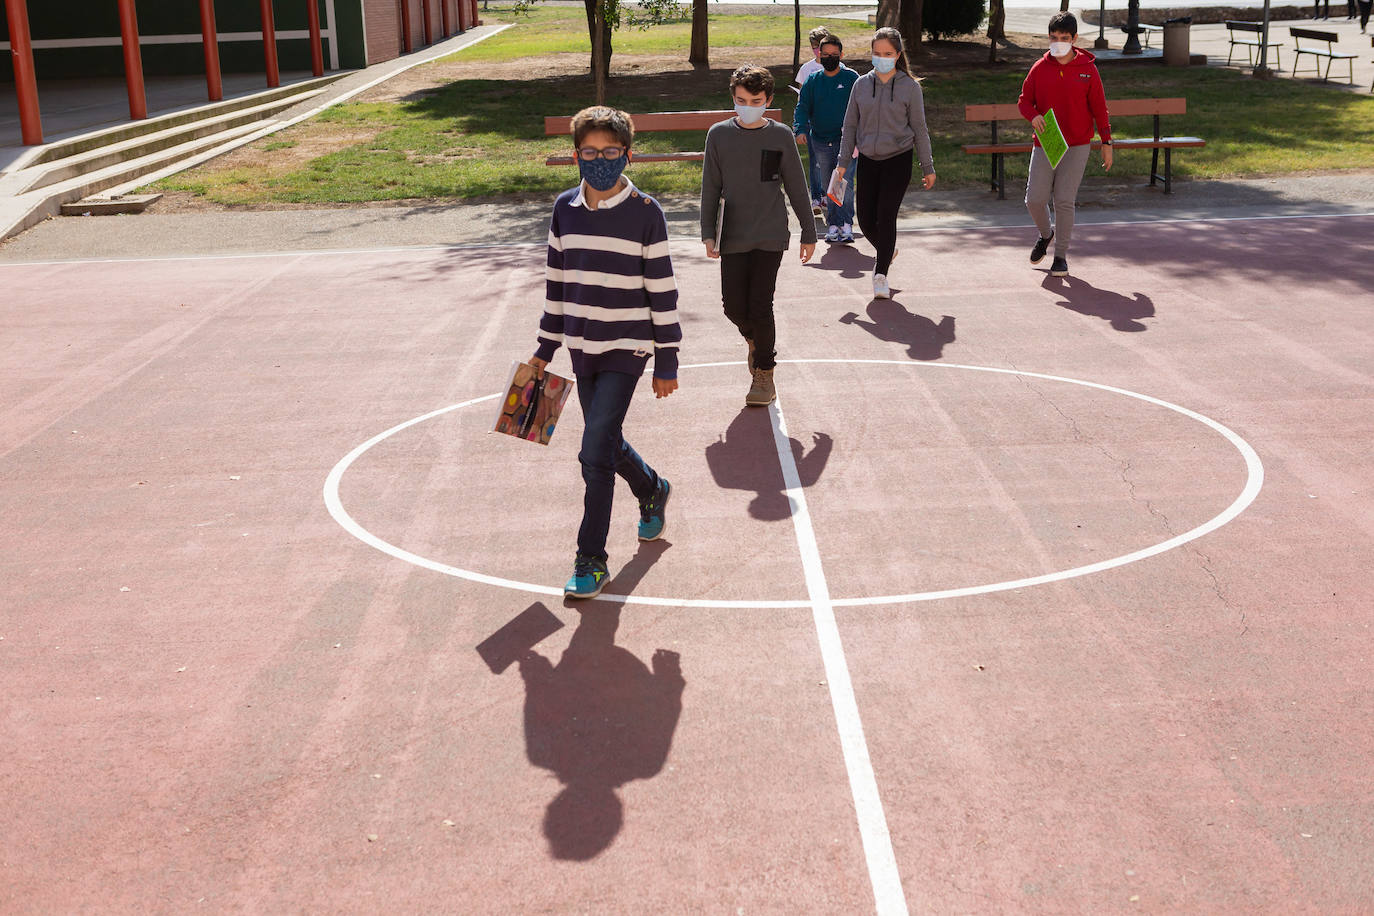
{"x": 488, "y": 246}
{"x": 1253, "y": 483}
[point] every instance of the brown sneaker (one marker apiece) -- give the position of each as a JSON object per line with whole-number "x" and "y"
{"x": 761, "y": 393}
{"x": 750, "y": 342}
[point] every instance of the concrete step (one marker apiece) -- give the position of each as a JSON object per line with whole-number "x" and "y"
{"x": 26, "y": 210}
{"x": 62, "y": 149}
{"x": 95, "y": 159}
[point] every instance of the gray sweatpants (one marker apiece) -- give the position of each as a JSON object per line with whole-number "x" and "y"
{"x": 1059, "y": 184}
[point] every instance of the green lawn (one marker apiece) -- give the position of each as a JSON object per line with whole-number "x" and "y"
{"x": 484, "y": 137}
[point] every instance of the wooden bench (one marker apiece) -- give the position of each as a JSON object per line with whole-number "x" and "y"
{"x": 1251, "y": 45}
{"x": 653, "y": 122}
{"x": 1116, "y": 108}
{"x": 1327, "y": 38}
{"x": 1145, "y": 29}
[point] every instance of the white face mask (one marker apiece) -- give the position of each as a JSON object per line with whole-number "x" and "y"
{"x": 748, "y": 114}
{"x": 1060, "y": 48}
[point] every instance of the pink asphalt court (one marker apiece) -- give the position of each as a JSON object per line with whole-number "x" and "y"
{"x": 280, "y": 628}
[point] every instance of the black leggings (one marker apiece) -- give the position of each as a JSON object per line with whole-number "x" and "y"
{"x": 1365, "y": 6}
{"x": 881, "y": 185}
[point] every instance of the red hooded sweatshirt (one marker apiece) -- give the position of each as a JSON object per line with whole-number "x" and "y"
{"x": 1073, "y": 90}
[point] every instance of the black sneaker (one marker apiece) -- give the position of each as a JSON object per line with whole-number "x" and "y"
{"x": 1060, "y": 268}
{"x": 1041, "y": 246}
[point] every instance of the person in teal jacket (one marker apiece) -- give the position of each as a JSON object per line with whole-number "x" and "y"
{"x": 819, "y": 117}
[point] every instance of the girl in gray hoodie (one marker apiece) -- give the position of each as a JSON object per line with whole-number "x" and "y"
{"x": 885, "y": 124}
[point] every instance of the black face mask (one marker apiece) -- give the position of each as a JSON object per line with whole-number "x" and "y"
{"x": 830, "y": 63}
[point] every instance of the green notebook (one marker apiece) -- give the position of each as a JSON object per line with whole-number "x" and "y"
{"x": 1052, "y": 140}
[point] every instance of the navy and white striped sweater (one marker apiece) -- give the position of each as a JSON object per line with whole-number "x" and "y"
{"x": 610, "y": 294}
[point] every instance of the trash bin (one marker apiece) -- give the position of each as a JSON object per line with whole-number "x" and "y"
{"x": 1176, "y": 41}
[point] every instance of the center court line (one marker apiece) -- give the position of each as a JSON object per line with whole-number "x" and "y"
{"x": 882, "y": 863}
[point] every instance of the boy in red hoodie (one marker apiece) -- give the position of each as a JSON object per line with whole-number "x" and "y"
{"x": 1065, "y": 79}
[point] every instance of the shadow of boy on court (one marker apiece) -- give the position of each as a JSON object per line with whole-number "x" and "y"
{"x": 890, "y": 321}
{"x": 596, "y": 720}
{"x": 746, "y": 459}
{"x": 1082, "y": 297}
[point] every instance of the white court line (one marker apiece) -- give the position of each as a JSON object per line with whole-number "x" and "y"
{"x": 877, "y": 841}
{"x": 487, "y": 246}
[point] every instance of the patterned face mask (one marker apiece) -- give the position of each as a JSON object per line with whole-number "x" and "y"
{"x": 602, "y": 174}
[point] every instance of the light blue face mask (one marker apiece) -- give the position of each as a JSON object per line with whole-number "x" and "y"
{"x": 884, "y": 64}
{"x": 748, "y": 114}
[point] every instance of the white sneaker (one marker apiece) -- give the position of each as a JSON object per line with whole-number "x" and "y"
{"x": 880, "y": 288}
{"x": 846, "y": 233}
{"x": 832, "y": 234}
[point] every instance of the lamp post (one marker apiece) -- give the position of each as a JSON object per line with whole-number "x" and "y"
{"x": 1132, "y": 45}
{"x": 1101, "y": 43}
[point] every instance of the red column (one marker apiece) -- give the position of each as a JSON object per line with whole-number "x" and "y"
{"x": 428, "y": 20}
{"x": 214, "y": 83}
{"x": 405, "y": 26}
{"x": 269, "y": 44}
{"x": 462, "y": 15}
{"x": 25, "y": 80}
{"x": 475, "y": 18}
{"x": 133, "y": 60}
{"x": 312, "y": 17}
{"x": 445, "y": 18}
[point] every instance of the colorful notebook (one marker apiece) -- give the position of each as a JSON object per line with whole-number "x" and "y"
{"x": 531, "y": 405}
{"x": 837, "y": 188}
{"x": 1052, "y": 140}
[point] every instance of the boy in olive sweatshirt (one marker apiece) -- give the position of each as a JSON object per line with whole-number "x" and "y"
{"x": 750, "y": 163}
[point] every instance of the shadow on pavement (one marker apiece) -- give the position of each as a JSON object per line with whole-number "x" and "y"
{"x": 848, "y": 260}
{"x": 890, "y": 321}
{"x": 1123, "y": 312}
{"x": 746, "y": 459}
{"x": 596, "y": 720}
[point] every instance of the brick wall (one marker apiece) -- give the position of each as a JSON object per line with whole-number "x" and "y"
{"x": 383, "y": 30}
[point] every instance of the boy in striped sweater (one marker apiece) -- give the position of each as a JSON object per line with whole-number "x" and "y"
{"x": 611, "y": 297}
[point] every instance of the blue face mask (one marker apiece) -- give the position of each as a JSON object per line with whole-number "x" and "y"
{"x": 748, "y": 114}
{"x": 602, "y": 174}
{"x": 884, "y": 64}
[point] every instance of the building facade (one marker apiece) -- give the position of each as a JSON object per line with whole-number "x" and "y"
{"x": 94, "y": 38}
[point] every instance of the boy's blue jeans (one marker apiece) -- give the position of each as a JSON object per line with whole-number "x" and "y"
{"x": 605, "y": 399}
{"x": 824, "y": 157}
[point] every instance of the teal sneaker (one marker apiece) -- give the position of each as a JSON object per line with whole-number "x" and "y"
{"x": 651, "y": 517}
{"x": 588, "y": 578}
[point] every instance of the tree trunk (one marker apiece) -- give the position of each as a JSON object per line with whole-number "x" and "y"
{"x": 997, "y": 28}
{"x": 700, "y": 53}
{"x": 910, "y": 25}
{"x": 889, "y": 14}
{"x": 600, "y": 57}
{"x": 599, "y": 32}
{"x": 1063, "y": 6}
